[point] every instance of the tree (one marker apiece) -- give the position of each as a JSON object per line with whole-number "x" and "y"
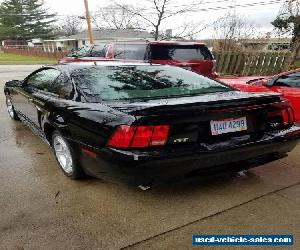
{"x": 154, "y": 12}
{"x": 24, "y": 19}
{"x": 231, "y": 28}
{"x": 122, "y": 16}
{"x": 71, "y": 25}
{"x": 288, "y": 22}
{"x": 12, "y": 20}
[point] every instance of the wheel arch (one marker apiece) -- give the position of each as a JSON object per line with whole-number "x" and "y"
{"x": 48, "y": 130}
{"x": 6, "y": 91}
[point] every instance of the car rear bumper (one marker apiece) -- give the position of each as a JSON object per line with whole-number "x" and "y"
{"x": 145, "y": 167}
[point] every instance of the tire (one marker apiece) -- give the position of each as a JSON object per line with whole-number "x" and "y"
{"x": 11, "y": 110}
{"x": 66, "y": 157}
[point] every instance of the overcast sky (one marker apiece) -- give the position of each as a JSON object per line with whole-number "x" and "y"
{"x": 262, "y": 15}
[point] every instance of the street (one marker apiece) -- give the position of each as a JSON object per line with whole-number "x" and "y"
{"x": 40, "y": 208}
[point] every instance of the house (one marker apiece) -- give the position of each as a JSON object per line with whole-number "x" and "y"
{"x": 100, "y": 36}
{"x": 13, "y": 43}
{"x": 60, "y": 44}
{"x": 261, "y": 44}
{"x": 267, "y": 44}
{"x": 110, "y": 35}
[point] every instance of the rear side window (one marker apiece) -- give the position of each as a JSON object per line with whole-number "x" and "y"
{"x": 130, "y": 51}
{"x": 291, "y": 80}
{"x": 99, "y": 50}
{"x": 180, "y": 52}
{"x": 142, "y": 82}
{"x": 84, "y": 51}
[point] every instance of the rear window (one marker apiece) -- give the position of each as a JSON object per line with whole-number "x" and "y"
{"x": 142, "y": 82}
{"x": 180, "y": 52}
{"x": 130, "y": 51}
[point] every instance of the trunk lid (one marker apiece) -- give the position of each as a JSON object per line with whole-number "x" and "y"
{"x": 192, "y": 118}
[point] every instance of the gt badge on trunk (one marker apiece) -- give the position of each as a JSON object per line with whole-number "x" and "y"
{"x": 228, "y": 125}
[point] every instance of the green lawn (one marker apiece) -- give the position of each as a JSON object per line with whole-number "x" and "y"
{"x": 8, "y": 58}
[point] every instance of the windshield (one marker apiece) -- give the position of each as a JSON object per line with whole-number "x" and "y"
{"x": 141, "y": 82}
{"x": 180, "y": 52}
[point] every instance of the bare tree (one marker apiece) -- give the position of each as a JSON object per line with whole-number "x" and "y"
{"x": 121, "y": 16}
{"x": 154, "y": 12}
{"x": 70, "y": 25}
{"x": 288, "y": 23}
{"x": 231, "y": 28}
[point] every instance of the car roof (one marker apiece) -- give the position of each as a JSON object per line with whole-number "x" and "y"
{"x": 69, "y": 67}
{"x": 159, "y": 42}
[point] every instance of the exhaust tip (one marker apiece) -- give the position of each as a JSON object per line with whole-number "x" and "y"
{"x": 144, "y": 187}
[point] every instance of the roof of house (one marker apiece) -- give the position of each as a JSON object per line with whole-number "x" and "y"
{"x": 113, "y": 34}
{"x": 266, "y": 40}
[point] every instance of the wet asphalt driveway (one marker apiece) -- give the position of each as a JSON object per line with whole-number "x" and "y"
{"x": 42, "y": 209}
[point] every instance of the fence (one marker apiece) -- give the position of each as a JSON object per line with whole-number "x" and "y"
{"x": 252, "y": 63}
{"x": 35, "y": 52}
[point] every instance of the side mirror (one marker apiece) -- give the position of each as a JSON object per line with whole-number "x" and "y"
{"x": 14, "y": 83}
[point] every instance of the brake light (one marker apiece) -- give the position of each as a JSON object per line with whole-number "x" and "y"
{"x": 142, "y": 137}
{"x": 122, "y": 137}
{"x": 214, "y": 69}
{"x": 139, "y": 136}
{"x": 291, "y": 113}
{"x": 285, "y": 112}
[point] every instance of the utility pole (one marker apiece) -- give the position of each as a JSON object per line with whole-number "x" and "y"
{"x": 88, "y": 20}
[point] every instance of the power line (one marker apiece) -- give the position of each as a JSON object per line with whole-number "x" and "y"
{"x": 217, "y": 8}
{"x": 249, "y": 5}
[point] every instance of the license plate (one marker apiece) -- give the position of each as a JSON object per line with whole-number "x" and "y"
{"x": 187, "y": 68}
{"x": 228, "y": 125}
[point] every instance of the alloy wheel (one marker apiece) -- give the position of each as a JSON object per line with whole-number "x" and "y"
{"x": 63, "y": 154}
{"x": 10, "y": 108}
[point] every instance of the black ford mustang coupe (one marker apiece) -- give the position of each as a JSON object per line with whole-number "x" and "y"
{"x": 147, "y": 123}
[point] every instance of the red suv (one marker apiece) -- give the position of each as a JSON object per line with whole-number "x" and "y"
{"x": 189, "y": 55}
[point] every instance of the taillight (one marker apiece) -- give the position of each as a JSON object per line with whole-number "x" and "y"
{"x": 139, "y": 136}
{"x": 142, "y": 136}
{"x": 284, "y": 112}
{"x": 122, "y": 137}
{"x": 214, "y": 69}
{"x": 291, "y": 113}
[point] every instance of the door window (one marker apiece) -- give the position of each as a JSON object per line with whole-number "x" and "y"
{"x": 43, "y": 79}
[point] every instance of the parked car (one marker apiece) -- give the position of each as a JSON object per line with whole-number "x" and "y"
{"x": 188, "y": 55}
{"x": 191, "y": 56}
{"x": 286, "y": 83}
{"x": 86, "y": 53}
{"x": 147, "y": 123}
